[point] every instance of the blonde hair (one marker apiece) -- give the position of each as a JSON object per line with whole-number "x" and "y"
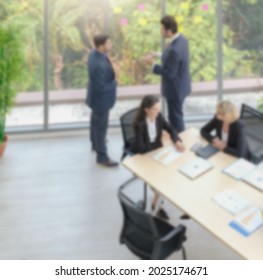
{"x": 229, "y": 110}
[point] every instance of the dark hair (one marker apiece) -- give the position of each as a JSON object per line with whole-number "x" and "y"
{"x": 169, "y": 23}
{"x": 100, "y": 40}
{"x": 147, "y": 102}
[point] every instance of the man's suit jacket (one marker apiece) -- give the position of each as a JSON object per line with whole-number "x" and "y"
{"x": 142, "y": 142}
{"x": 101, "y": 92}
{"x": 175, "y": 70}
{"x": 236, "y": 145}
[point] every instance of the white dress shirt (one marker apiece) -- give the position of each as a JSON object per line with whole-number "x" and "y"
{"x": 224, "y": 136}
{"x": 177, "y": 35}
{"x": 152, "y": 131}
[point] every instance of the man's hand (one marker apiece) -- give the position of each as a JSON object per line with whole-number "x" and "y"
{"x": 148, "y": 59}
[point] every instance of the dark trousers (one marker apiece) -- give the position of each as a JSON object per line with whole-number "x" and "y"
{"x": 175, "y": 114}
{"x": 98, "y": 130}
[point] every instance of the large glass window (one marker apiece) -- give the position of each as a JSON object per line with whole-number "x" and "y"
{"x": 134, "y": 29}
{"x": 28, "y": 16}
{"x": 134, "y": 26}
{"x": 197, "y": 21}
{"x": 72, "y": 25}
{"x": 243, "y": 52}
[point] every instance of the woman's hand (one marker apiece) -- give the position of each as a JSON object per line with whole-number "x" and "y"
{"x": 180, "y": 146}
{"x": 221, "y": 145}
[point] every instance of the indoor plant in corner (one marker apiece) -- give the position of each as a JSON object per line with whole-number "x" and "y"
{"x": 260, "y": 105}
{"x": 11, "y": 70}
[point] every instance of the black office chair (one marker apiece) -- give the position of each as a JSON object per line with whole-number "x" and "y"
{"x": 146, "y": 236}
{"x": 253, "y": 120}
{"x": 248, "y": 112}
{"x": 127, "y": 120}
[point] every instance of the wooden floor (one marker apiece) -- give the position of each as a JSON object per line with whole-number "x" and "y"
{"x": 56, "y": 203}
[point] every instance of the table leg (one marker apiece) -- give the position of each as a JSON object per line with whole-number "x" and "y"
{"x": 145, "y": 195}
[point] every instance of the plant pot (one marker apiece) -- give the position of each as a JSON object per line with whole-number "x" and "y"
{"x": 3, "y": 146}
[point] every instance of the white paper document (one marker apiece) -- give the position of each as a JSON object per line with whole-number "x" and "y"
{"x": 250, "y": 220}
{"x": 196, "y": 168}
{"x": 231, "y": 201}
{"x": 239, "y": 168}
{"x": 255, "y": 178}
{"x": 167, "y": 155}
{"x": 260, "y": 166}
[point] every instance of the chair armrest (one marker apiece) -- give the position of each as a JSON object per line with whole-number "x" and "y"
{"x": 178, "y": 230}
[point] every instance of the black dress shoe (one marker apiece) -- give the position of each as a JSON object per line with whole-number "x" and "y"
{"x": 162, "y": 214}
{"x": 185, "y": 217}
{"x": 109, "y": 163}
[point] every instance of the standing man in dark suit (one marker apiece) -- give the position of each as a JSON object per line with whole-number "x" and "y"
{"x": 175, "y": 72}
{"x": 101, "y": 97}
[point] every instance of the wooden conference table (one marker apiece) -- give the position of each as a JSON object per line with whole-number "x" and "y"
{"x": 194, "y": 197}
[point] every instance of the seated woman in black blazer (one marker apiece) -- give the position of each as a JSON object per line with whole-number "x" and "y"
{"x": 151, "y": 131}
{"x": 151, "y": 128}
{"x": 229, "y": 131}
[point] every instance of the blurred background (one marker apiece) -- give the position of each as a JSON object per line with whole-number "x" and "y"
{"x": 58, "y": 35}
{"x": 55, "y": 202}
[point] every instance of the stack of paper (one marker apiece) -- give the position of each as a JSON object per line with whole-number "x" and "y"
{"x": 239, "y": 168}
{"x": 231, "y": 201}
{"x": 260, "y": 166}
{"x": 196, "y": 168}
{"x": 247, "y": 171}
{"x": 255, "y": 178}
{"x": 167, "y": 155}
{"x": 249, "y": 221}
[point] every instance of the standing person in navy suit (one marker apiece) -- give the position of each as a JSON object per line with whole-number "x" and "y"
{"x": 175, "y": 72}
{"x": 101, "y": 97}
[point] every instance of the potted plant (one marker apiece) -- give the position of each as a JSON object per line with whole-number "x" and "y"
{"x": 11, "y": 71}
{"x": 260, "y": 105}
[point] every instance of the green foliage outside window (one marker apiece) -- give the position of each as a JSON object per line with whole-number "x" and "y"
{"x": 135, "y": 30}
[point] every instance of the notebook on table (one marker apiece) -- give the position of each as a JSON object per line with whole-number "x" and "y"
{"x": 239, "y": 168}
{"x": 255, "y": 177}
{"x": 248, "y": 221}
{"x": 167, "y": 155}
{"x": 231, "y": 201}
{"x": 196, "y": 168}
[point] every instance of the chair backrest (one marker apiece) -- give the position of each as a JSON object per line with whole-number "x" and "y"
{"x": 139, "y": 231}
{"x": 137, "y": 217}
{"x": 248, "y": 112}
{"x": 143, "y": 234}
{"x": 127, "y": 120}
{"x": 253, "y": 120}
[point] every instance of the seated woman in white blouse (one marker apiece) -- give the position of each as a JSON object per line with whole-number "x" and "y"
{"x": 151, "y": 130}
